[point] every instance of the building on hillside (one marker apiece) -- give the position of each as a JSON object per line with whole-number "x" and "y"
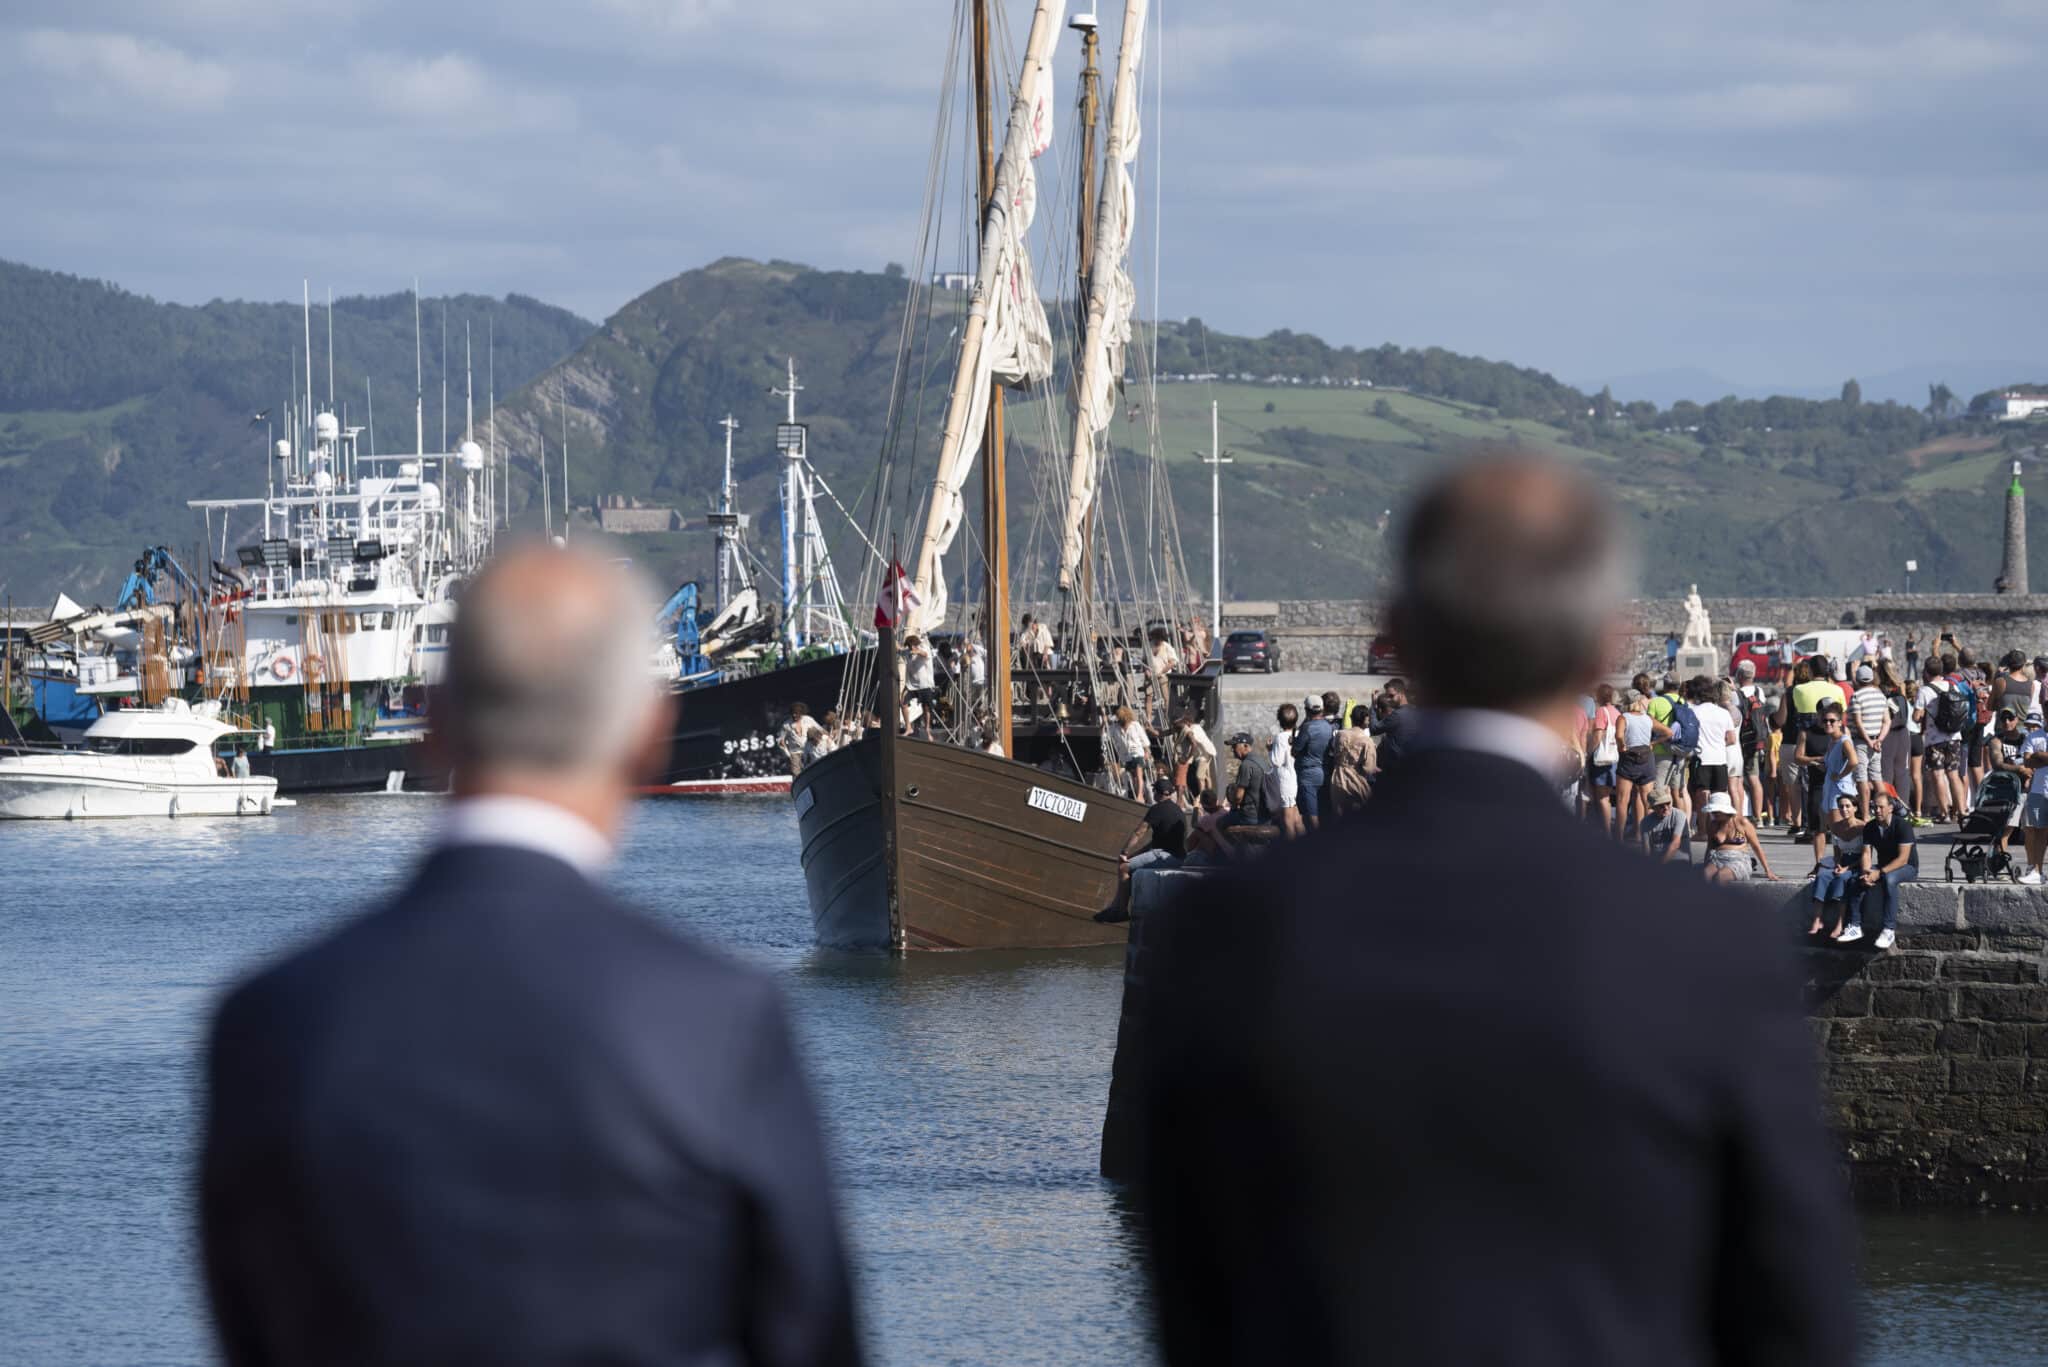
{"x": 952, "y": 280}
{"x": 619, "y": 514}
{"x": 2024, "y": 401}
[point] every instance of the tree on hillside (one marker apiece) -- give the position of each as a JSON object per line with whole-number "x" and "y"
{"x": 1940, "y": 399}
{"x": 1603, "y": 406}
{"x": 1852, "y": 394}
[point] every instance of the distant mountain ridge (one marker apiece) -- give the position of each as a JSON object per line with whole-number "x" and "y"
{"x": 1907, "y": 385}
{"x": 114, "y": 409}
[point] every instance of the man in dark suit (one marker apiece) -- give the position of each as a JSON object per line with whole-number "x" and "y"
{"x": 502, "y": 1118}
{"x": 1461, "y": 1081}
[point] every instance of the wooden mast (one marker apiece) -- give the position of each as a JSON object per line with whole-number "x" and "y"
{"x": 1091, "y": 113}
{"x": 995, "y": 541}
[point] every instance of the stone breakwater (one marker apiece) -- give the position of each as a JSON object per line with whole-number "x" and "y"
{"x": 1933, "y": 1056}
{"x": 1332, "y": 635}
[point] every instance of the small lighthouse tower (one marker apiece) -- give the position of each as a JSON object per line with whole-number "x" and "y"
{"x": 2014, "y": 577}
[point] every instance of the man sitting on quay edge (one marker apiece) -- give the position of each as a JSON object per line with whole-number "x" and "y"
{"x": 1161, "y": 841}
{"x": 1393, "y": 1113}
{"x": 503, "y": 1118}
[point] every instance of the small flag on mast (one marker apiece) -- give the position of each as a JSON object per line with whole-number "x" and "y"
{"x": 898, "y": 599}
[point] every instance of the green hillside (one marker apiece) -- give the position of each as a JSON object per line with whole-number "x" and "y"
{"x": 115, "y": 409}
{"x": 1778, "y": 495}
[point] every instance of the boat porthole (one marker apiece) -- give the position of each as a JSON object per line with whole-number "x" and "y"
{"x": 911, "y": 791}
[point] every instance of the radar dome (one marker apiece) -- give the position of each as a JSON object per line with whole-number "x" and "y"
{"x": 325, "y": 427}
{"x": 284, "y": 450}
{"x": 409, "y": 470}
{"x": 472, "y": 456}
{"x": 430, "y": 497}
{"x": 322, "y": 480}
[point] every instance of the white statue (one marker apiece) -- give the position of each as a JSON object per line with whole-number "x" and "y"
{"x": 1699, "y": 632}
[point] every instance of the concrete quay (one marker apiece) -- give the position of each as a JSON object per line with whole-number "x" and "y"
{"x": 1933, "y": 1055}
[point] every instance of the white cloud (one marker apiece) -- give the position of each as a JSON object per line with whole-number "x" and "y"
{"x": 456, "y": 95}
{"x": 124, "y": 67}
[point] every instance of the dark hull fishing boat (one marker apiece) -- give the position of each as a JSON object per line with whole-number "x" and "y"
{"x": 919, "y": 844}
{"x": 987, "y": 829}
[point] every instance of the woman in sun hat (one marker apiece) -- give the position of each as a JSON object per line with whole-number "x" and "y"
{"x": 1733, "y": 853}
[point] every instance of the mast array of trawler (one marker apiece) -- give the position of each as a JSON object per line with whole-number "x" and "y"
{"x": 990, "y": 835}
{"x": 336, "y": 615}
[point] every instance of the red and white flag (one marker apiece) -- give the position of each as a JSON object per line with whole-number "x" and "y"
{"x": 898, "y": 599}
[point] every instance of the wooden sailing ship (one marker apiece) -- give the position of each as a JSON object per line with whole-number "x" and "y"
{"x": 912, "y": 842}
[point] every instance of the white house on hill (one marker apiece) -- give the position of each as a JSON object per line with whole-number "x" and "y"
{"x": 2024, "y": 402}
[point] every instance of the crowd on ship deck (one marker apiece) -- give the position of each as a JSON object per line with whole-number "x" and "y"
{"x": 942, "y": 686}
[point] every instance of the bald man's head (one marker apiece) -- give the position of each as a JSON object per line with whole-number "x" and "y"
{"x": 1512, "y": 572}
{"x": 547, "y": 666}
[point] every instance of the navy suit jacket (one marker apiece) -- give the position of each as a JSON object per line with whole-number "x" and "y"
{"x": 1460, "y": 1081}
{"x": 503, "y": 1119}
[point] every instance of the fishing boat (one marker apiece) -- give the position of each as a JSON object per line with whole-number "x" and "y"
{"x": 735, "y": 668}
{"x": 322, "y": 629}
{"x": 987, "y": 828}
{"x": 170, "y": 760}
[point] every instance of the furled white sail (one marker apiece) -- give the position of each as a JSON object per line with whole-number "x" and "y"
{"x": 1007, "y": 339}
{"x": 1112, "y": 297}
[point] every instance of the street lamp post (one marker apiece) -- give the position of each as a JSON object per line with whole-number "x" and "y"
{"x": 1215, "y": 460}
{"x": 1911, "y": 565}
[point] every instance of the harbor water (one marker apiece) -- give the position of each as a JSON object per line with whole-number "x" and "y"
{"x": 963, "y": 1095}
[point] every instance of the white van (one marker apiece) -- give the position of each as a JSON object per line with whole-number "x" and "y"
{"x": 1836, "y": 645}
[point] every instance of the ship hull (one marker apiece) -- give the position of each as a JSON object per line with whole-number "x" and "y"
{"x": 725, "y": 742}
{"x": 70, "y": 797}
{"x": 350, "y": 768}
{"x": 960, "y": 850}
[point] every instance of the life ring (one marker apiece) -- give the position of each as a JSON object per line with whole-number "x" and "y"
{"x": 281, "y": 666}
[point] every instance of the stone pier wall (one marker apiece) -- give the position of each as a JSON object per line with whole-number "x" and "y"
{"x": 1933, "y": 1055}
{"x": 1327, "y": 635}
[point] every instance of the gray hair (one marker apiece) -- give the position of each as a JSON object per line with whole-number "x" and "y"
{"x": 1512, "y": 573}
{"x": 548, "y": 664}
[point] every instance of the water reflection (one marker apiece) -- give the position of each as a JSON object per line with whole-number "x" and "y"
{"x": 963, "y": 1093}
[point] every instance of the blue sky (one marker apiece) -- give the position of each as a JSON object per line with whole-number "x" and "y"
{"x": 1778, "y": 194}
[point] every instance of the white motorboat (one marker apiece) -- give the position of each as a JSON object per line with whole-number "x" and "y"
{"x": 170, "y": 760}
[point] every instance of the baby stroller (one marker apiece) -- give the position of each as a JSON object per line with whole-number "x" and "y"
{"x": 1976, "y": 849}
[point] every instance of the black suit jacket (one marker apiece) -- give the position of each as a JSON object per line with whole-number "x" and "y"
{"x": 505, "y": 1120}
{"x": 1461, "y": 1082}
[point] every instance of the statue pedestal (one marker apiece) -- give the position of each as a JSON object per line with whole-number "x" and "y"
{"x": 1692, "y": 660}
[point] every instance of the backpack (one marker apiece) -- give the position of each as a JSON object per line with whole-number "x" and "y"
{"x": 1756, "y": 721}
{"x": 1982, "y": 690}
{"x": 1685, "y": 730}
{"x": 1954, "y": 710}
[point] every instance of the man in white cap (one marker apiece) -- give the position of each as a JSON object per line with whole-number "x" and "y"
{"x": 1753, "y": 726}
{"x": 1311, "y": 744}
{"x": 2034, "y": 811}
{"x": 1870, "y": 716}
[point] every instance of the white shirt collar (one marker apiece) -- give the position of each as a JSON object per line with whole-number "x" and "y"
{"x": 527, "y": 823}
{"x": 1494, "y": 733}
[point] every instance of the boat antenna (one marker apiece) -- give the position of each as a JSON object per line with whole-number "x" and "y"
{"x": 547, "y": 507}
{"x": 562, "y": 407}
{"x": 306, "y": 302}
{"x": 370, "y": 404}
{"x": 419, "y": 382}
{"x": 330, "y": 348}
{"x": 726, "y": 522}
{"x": 444, "y": 372}
{"x": 491, "y": 404}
